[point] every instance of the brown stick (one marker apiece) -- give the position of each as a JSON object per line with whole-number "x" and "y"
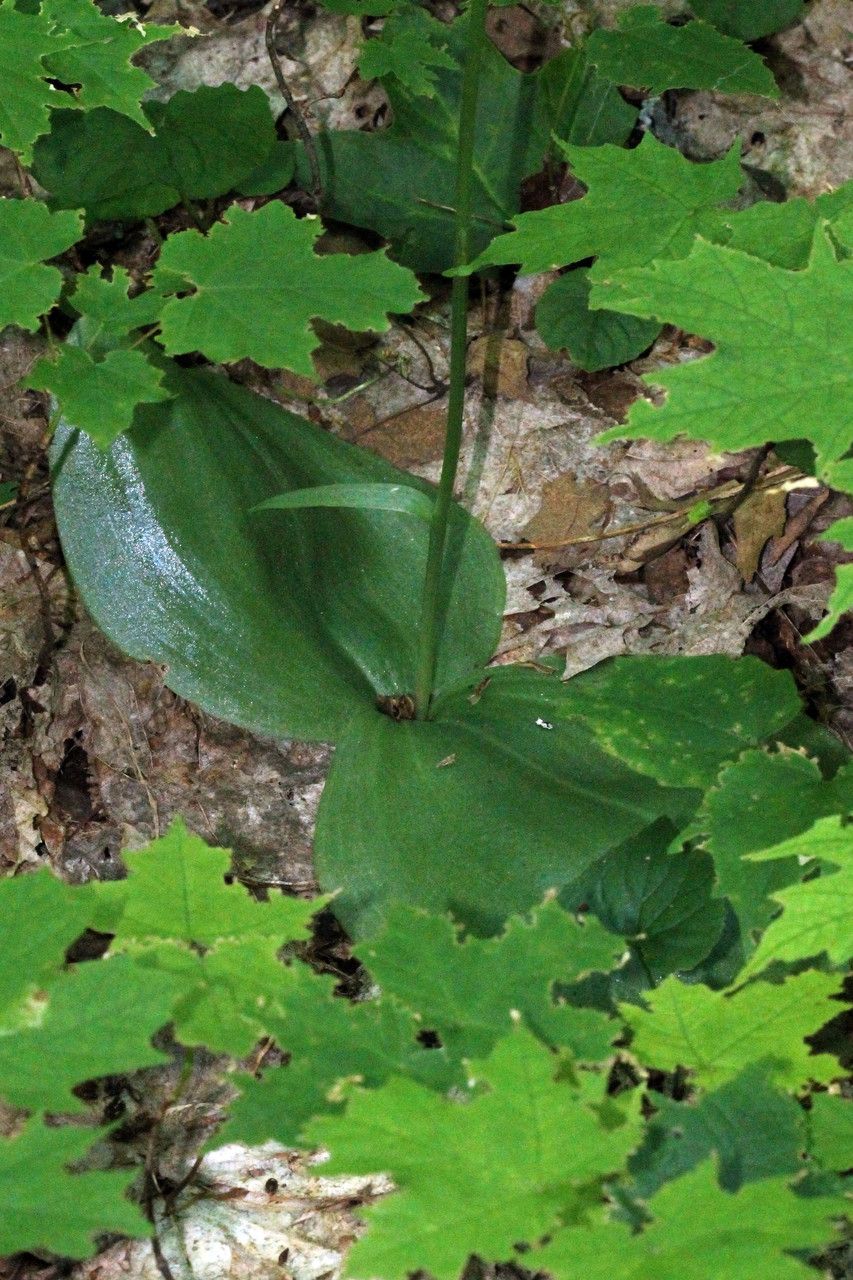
{"x": 302, "y": 129}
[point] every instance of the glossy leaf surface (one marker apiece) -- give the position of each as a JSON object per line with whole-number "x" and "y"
{"x": 284, "y": 622}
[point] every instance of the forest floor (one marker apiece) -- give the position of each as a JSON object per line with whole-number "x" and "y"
{"x": 99, "y": 755}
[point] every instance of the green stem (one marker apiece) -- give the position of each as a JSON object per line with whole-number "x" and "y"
{"x": 430, "y": 632}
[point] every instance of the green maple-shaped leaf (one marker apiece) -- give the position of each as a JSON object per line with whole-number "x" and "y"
{"x": 716, "y": 1034}
{"x": 648, "y": 52}
{"x": 477, "y": 1176}
{"x": 46, "y": 1207}
{"x": 783, "y": 366}
{"x": 95, "y": 1020}
{"x": 30, "y": 233}
{"x": 176, "y": 890}
{"x": 97, "y": 385}
{"x": 408, "y": 50}
{"x": 841, "y": 599}
{"x": 175, "y": 914}
{"x": 641, "y": 205}
{"x": 817, "y": 916}
{"x": 98, "y": 53}
{"x": 99, "y": 396}
{"x": 700, "y": 1232}
{"x": 755, "y": 1130}
{"x": 25, "y": 94}
{"x": 258, "y": 283}
{"x": 39, "y": 919}
{"x": 734, "y": 825}
{"x": 467, "y": 990}
{"x": 327, "y": 1040}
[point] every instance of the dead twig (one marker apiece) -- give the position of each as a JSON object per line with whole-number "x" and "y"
{"x": 302, "y": 129}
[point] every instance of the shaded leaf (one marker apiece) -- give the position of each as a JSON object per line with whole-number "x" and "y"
{"x": 253, "y": 614}
{"x": 830, "y": 1123}
{"x": 400, "y": 181}
{"x": 754, "y": 1130}
{"x": 40, "y": 918}
{"x": 407, "y": 50}
{"x": 748, "y": 19}
{"x": 594, "y": 339}
{"x": 205, "y": 143}
{"x": 648, "y": 52}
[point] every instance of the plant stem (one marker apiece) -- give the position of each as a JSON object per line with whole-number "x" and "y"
{"x": 430, "y": 632}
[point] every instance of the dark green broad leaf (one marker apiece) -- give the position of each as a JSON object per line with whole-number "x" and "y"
{"x": 660, "y": 902}
{"x": 286, "y": 622}
{"x": 755, "y": 1130}
{"x": 400, "y": 181}
{"x": 748, "y": 19}
{"x": 594, "y": 339}
{"x": 206, "y": 143}
{"x": 523, "y": 782}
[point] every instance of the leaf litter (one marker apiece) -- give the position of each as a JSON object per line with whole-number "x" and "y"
{"x": 99, "y": 754}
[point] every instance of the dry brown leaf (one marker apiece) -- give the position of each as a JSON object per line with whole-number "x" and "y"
{"x": 570, "y": 508}
{"x": 502, "y": 364}
{"x": 759, "y": 518}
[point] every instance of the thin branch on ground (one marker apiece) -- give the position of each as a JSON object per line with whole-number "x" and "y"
{"x": 275, "y": 15}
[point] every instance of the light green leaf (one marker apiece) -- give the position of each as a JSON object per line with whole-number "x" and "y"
{"x": 748, "y": 19}
{"x": 95, "y": 1020}
{"x": 45, "y": 1207}
{"x": 648, "y": 52}
{"x": 99, "y": 396}
{"x": 594, "y": 339}
{"x": 176, "y": 890}
{"x": 205, "y": 143}
{"x": 257, "y": 283}
{"x": 716, "y": 1034}
{"x": 476, "y": 1176}
{"x": 782, "y": 366}
{"x": 699, "y": 1231}
{"x": 439, "y": 813}
{"x": 260, "y": 618}
{"x": 642, "y": 205}
{"x": 466, "y": 990}
{"x": 791, "y": 795}
{"x": 407, "y": 51}
{"x": 329, "y": 1040}
{"x": 25, "y": 94}
{"x": 97, "y": 384}
{"x": 400, "y": 181}
{"x": 98, "y": 53}
{"x": 361, "y": 497}
{"x": 39, "y": 919}
{"x": 841, "y": 600}
{"x": 755, "y": 1130}
{"x": 29, "y": 233}
{"x": 817, "y": 916}
{"x": 175, "y": 914}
